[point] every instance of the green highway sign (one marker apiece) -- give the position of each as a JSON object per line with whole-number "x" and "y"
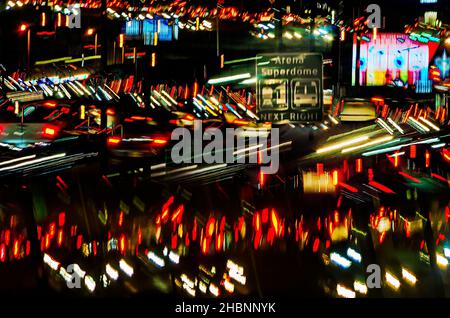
{"x": 289, "y": 87}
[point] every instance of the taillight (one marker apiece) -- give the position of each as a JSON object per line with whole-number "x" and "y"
{"x": 378, "y": 100}
{"x": 210, "y": 227}
{"x": 446, "y": 154}
{"x": 122, "y": 243}
{"x": 61, "y": 218}
{"x": 50, "y": 104}
{"x": 239, "y": 122}
{"x": 335, "y": 175}
{"x": 49, "y": 131}
{"x": 2, "y": 253}
{"x": 113, "y": 141}
{"x": 60, "y": 237}
{"x": 159, "y": 142}
{"x": 16, "y": 248}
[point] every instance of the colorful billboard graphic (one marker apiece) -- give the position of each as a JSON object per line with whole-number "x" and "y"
{"x": 393, "y": 59}
{"x": 443, "y": 63}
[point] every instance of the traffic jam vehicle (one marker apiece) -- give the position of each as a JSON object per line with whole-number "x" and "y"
{"x": 182, "y": 151}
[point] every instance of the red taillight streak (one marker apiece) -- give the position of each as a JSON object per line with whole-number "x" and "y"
{"x": 114, "y": 140}
{"x": 409, "y": 177}
{"x": 49, "y": 131}
{"x": 358, "y": 165}
{"x": 60, "y": 237}
{"x": 396, "y": 160}
{"x": 348, "y": 187}
{"x": 61, "y": 218}
{"x": 240, "y": 122}
{"x": 122, "y": 244}
{"x": 160, "y": 142}
{"x": 335, "y": 178}
{"x": 319, "y": 168}
{"x": 439, "y": 177}
{"x": 381, "y": 187}
{"x": 412, "y": 151}
{"x": 2, "y": 252}
{"x": 16, "y": 249}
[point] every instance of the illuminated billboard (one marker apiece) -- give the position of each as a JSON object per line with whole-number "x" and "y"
{"x": 161, "y": 26}
{"x": 147, "y": 29}
{"x": 393, "y": 59}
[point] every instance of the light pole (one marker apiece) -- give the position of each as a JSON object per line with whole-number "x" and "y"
{"x": 2, "y": 73}
{"x": 28, "y": 47}
{"x": 95, "y": 41}
{"x": 104, "y": 34}
{"x": 25, "y": 27}
{"x": 91, "y": 32}
{"x": 114, "y": 52}
{"x": 219, "y": 5}
{"x": 135, "y": 62}
{"x": 217, "y": 36}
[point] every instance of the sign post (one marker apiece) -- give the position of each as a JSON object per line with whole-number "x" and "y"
{"x": 289, "y": 87}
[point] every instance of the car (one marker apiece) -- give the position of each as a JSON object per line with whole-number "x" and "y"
{"x": 35, "y": 122}
{"x": 356, "y": 110}
{"x": 138, "y": 137}
{"x": 43, "y": 122}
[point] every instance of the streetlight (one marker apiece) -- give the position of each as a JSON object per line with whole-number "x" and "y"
{"x": 91, "y": 32}
{"x": 2, "y": 73}
{"x": 122, "y": 46}
{"x": 22, "y": 28}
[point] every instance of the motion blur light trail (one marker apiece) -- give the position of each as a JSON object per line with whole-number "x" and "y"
{"x": 357, "y": 196}
{"x": 206, "y": 244}
{"x": 92, "y": 203}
